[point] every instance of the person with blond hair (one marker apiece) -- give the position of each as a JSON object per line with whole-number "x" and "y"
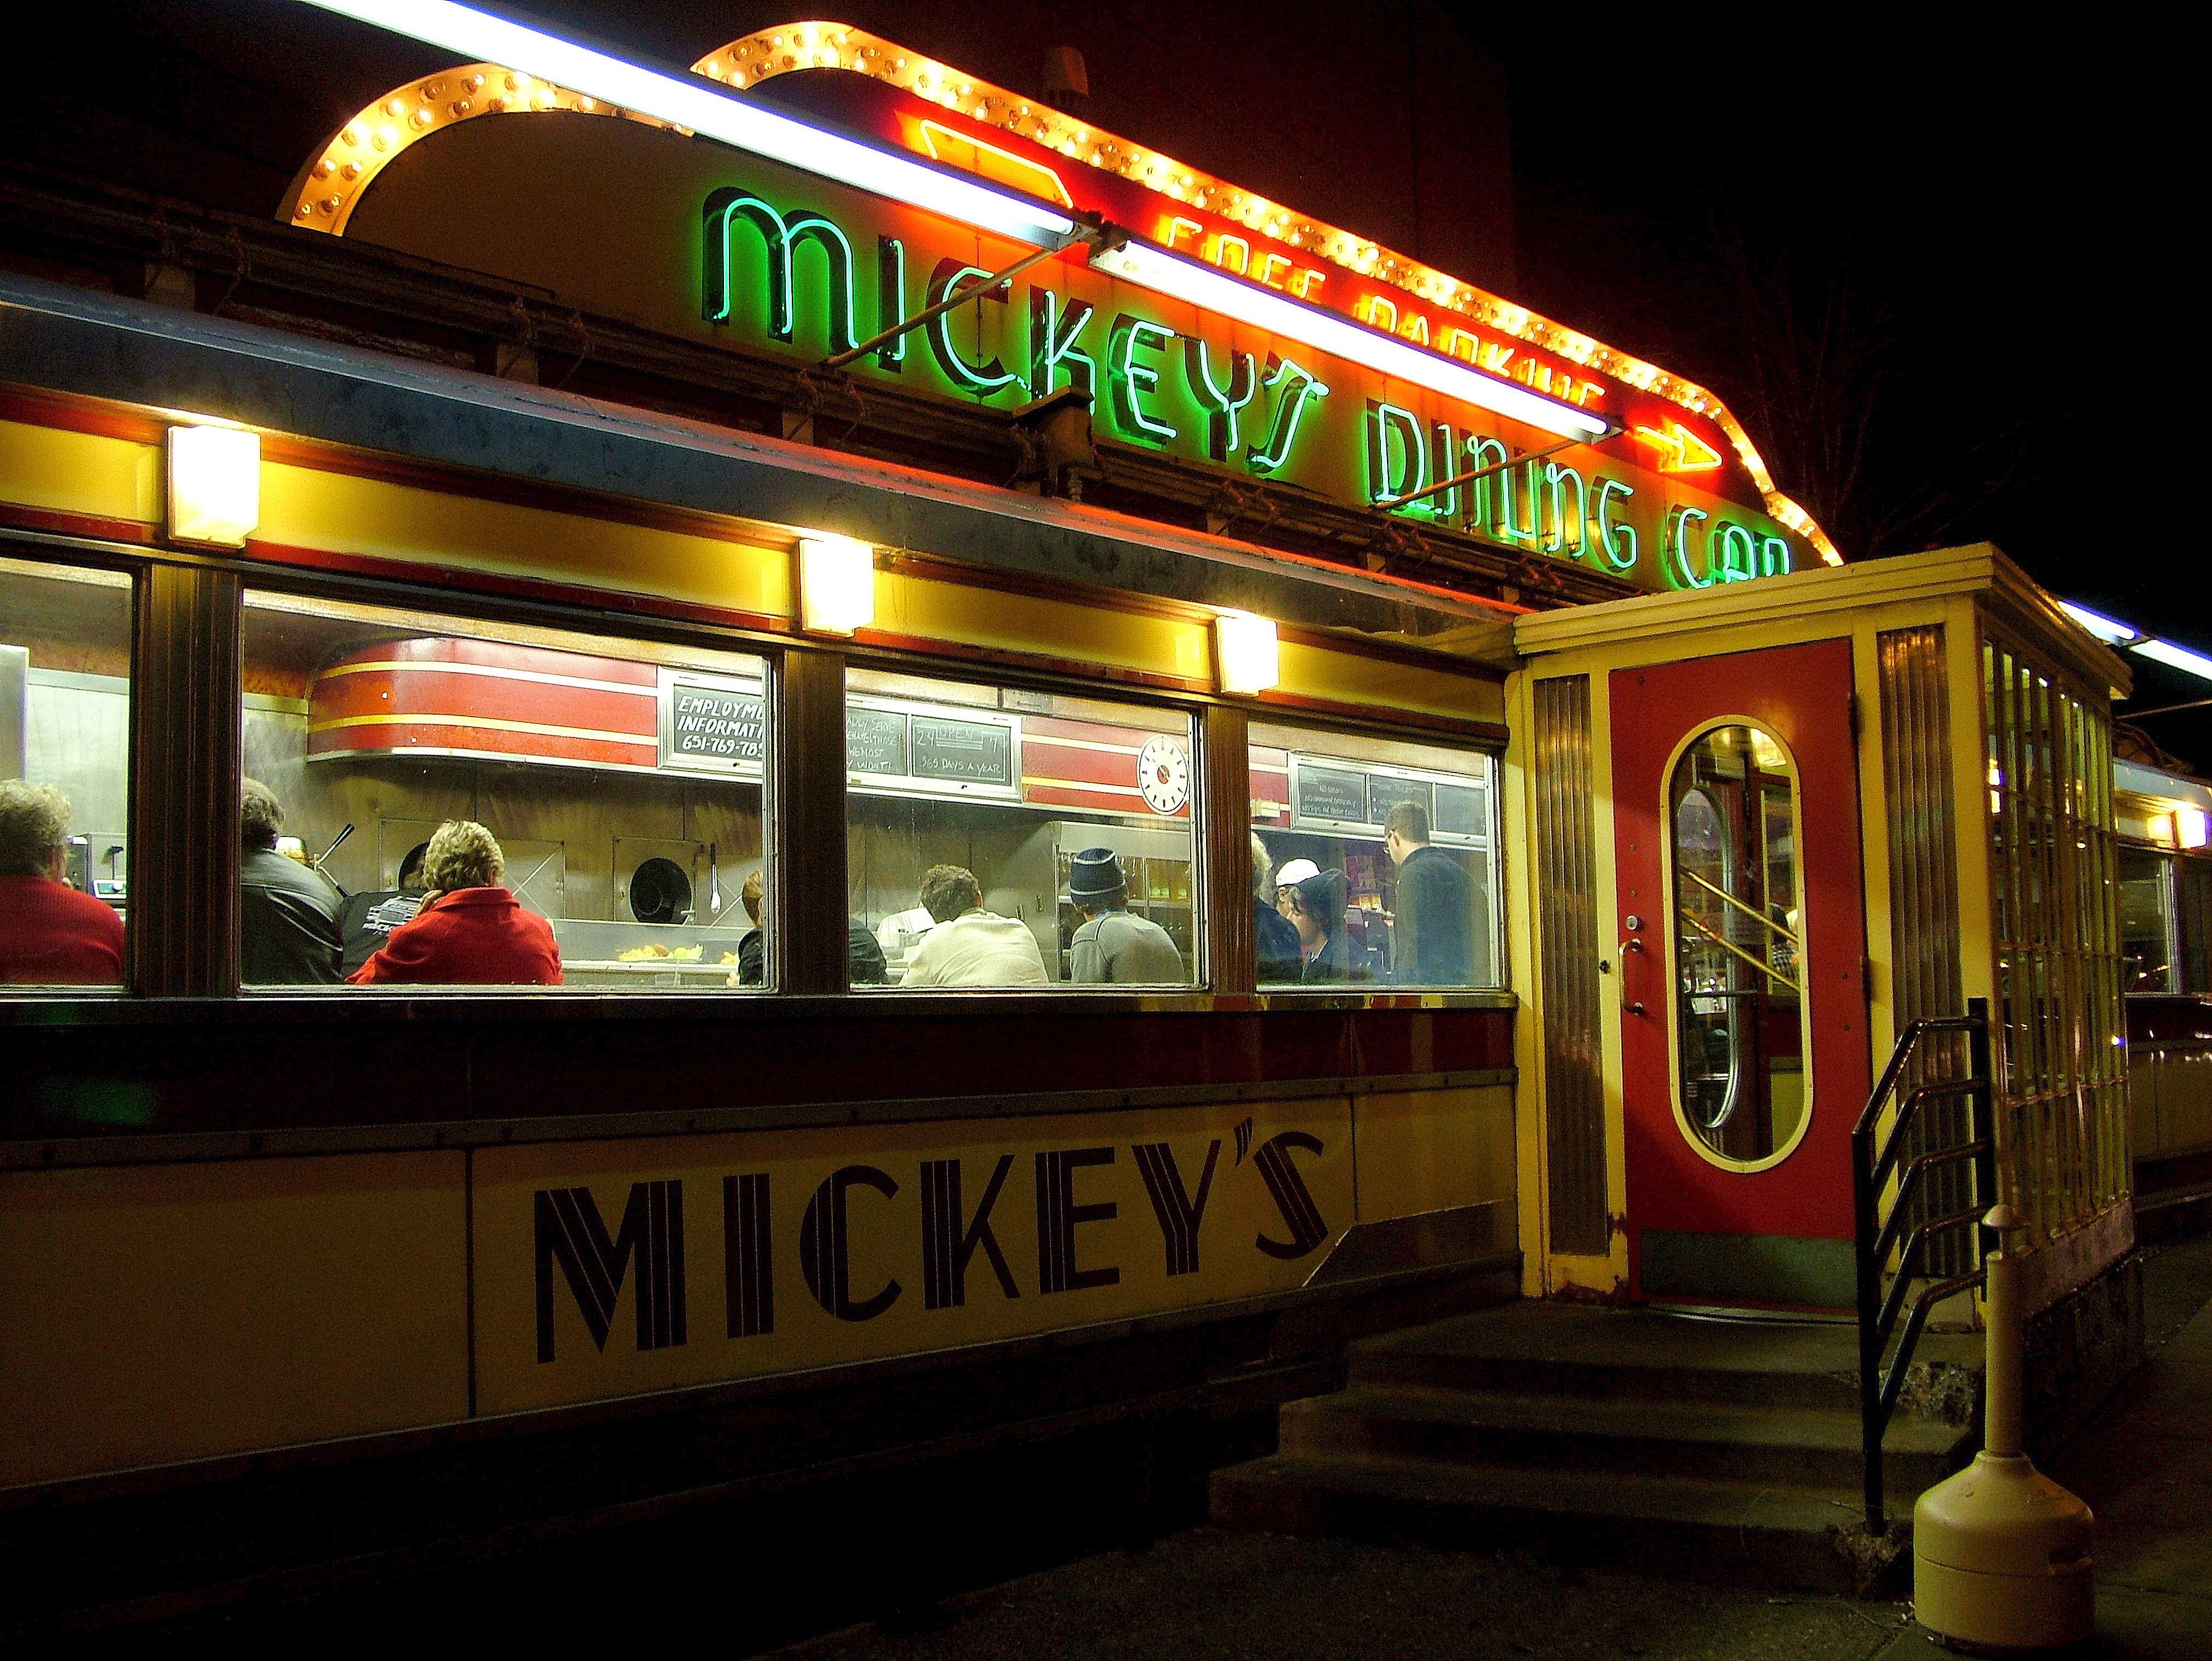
{"x": 471, "y": 931}
{"x": 50, "y": 934}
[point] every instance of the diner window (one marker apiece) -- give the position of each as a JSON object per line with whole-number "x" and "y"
{"x": 1003, "y": 838}
{"x": 1738, "y": 928}
{"x": 65, "y": 774}
{"x": 1374, "y": 862}
{"x": 433, "y": 801}
{"x": 2193, "y": 880}
{"x": 2147, "y": 934}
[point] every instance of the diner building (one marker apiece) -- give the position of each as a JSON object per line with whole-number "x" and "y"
{"x": 1112, "y": 787}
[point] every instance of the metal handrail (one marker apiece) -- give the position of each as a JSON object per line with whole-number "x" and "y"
{"x": 1692, "y": 919}
{"x": 1874, "y": 1157}
{"x": 1749, "y": 911}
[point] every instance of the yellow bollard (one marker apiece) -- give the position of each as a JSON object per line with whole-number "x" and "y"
{"x": 2000, "y": 1553}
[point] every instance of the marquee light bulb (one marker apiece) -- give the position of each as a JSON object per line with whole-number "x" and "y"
{"x": 705, "y": 108}
{"x": 1210, "y": 290}
{"x": 2190, "y": 827}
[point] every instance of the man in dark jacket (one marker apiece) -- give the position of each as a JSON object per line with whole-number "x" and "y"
{"x": 287, "y": 915}
{"x": 1442, "y": 920}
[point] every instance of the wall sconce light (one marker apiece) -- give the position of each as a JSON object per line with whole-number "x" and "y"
{"x": 215, "y": 485}
{"x": 1245, "y": 645}
{"x": 2189, "y": 827}
{"x": 836, "y": 585}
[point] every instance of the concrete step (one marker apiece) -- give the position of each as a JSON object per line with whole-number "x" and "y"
{"x": 1733, "y": 1532}
{"x": 1536, "y": 1348}
{"x": 1781, "y": 1446}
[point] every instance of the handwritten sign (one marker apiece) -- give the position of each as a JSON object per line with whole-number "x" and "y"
{"x": 713, "y": 724}
{"x": 1384, "y": 793}
{"x": 875, "y": 741}
{"x": 963, "y": 752}
{"x": 1324, "y": 793}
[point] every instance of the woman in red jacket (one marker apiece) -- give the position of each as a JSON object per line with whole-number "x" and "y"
{"x": 471, "y": 931}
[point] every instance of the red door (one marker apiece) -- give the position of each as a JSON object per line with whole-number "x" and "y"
{"x": 1744, "y": 1057}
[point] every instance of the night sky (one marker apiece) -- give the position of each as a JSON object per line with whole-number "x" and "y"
{"x": 1934, "y": 268}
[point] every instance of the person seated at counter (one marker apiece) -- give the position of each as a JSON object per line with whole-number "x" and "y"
{"x": 1277, "y": 936}
{"x": 1112, "y": 945}
{"x": 752, "y": 949}
{"x": 970, "y": 946}
{"x": 370, "y": 916}
{"x": 471, "y": 931}
{"x": 1294, "y": 871}
{"x": 51, "y": 935}
{"x": 288, "y": 912}
{"x": 1317, "y": 913}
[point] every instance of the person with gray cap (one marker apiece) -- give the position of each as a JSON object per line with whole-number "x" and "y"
{"x": 1112, "y": 945}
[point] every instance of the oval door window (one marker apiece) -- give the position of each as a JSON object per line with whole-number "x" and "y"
{"x": 1740, "y": 1015}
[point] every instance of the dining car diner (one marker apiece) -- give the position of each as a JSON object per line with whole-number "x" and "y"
{"x": 794, "y": 736}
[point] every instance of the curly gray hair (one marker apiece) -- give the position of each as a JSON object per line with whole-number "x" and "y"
{"x": 34, "y": 822}
{"x": 463, "y": 855}
{"x": 260, "y": 815}
{"x": 950, "y": 891}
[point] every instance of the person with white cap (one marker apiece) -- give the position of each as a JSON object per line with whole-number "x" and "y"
{"x": 1294, "y": 871}
{"x": 1112, "y": 945}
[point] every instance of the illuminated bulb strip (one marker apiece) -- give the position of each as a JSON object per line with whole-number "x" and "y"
{"x": 1217, "y": 292}
{"x": 709, "y": 110}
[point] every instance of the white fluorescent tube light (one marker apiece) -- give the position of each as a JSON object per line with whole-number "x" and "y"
{"x": 2112, "y": 633}
{"x": 2165, "y": 651}
{"x": 1215, "y": 291}
{"x": 686, "y": 102}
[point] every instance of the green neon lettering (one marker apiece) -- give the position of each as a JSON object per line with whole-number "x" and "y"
{"x": 1556, "y": 479}
{"x": 780, "y": 238}
{"x": 1489, "y": 502}
{"x": 1384, "y": 484}
{"x": 890, "y": 300}
{"x": 1132, "y": 382}
{"x": 1443, "y": 455}
{"x": 1738, "y": 559}
{"x": 986, "y": 377}
{"x": 1773, "y": 557}
{"x": 1515, "y": 530}
{"x": 1297, "y": 390}
{"x": 1221, "y": 404}
{"x": 1678, "y": 548}
{"x": 1054, "y": 330}
{"x": 1610, "y": 534}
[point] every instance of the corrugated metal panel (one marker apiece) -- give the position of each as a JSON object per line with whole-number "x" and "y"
{"x": 1923, "y": 906}
{"x": 1567, "y": 951}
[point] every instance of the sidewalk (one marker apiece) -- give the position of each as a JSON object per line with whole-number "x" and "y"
{"x": 1202, "y": 1594}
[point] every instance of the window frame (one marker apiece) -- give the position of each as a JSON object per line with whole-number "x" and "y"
{"x": 1492, "y": 759}
{"x": 1670, "y": 945}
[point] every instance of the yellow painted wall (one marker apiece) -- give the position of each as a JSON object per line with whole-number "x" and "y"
{"x": 1429, "y": 1150}
{"x": 79, "y": 473}
{"x": 153, "y": 1313}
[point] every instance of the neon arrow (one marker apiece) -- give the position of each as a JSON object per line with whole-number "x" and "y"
{"x": 1686, "y": 451}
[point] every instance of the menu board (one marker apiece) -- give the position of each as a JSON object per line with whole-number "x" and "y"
{"x": 713, "y": 724}
{"x": 963, "y": 752}
{"x": 1384, "y": 793}
{"x": 875, "y": 740}
{"x": 1327, "y": 793}
{"x": 1459, "y": 811}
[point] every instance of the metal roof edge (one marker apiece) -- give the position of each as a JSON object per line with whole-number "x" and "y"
{"x": 77, "y": 340}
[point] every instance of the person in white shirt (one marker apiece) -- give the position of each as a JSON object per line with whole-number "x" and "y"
{"x": 970, "y": 946}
